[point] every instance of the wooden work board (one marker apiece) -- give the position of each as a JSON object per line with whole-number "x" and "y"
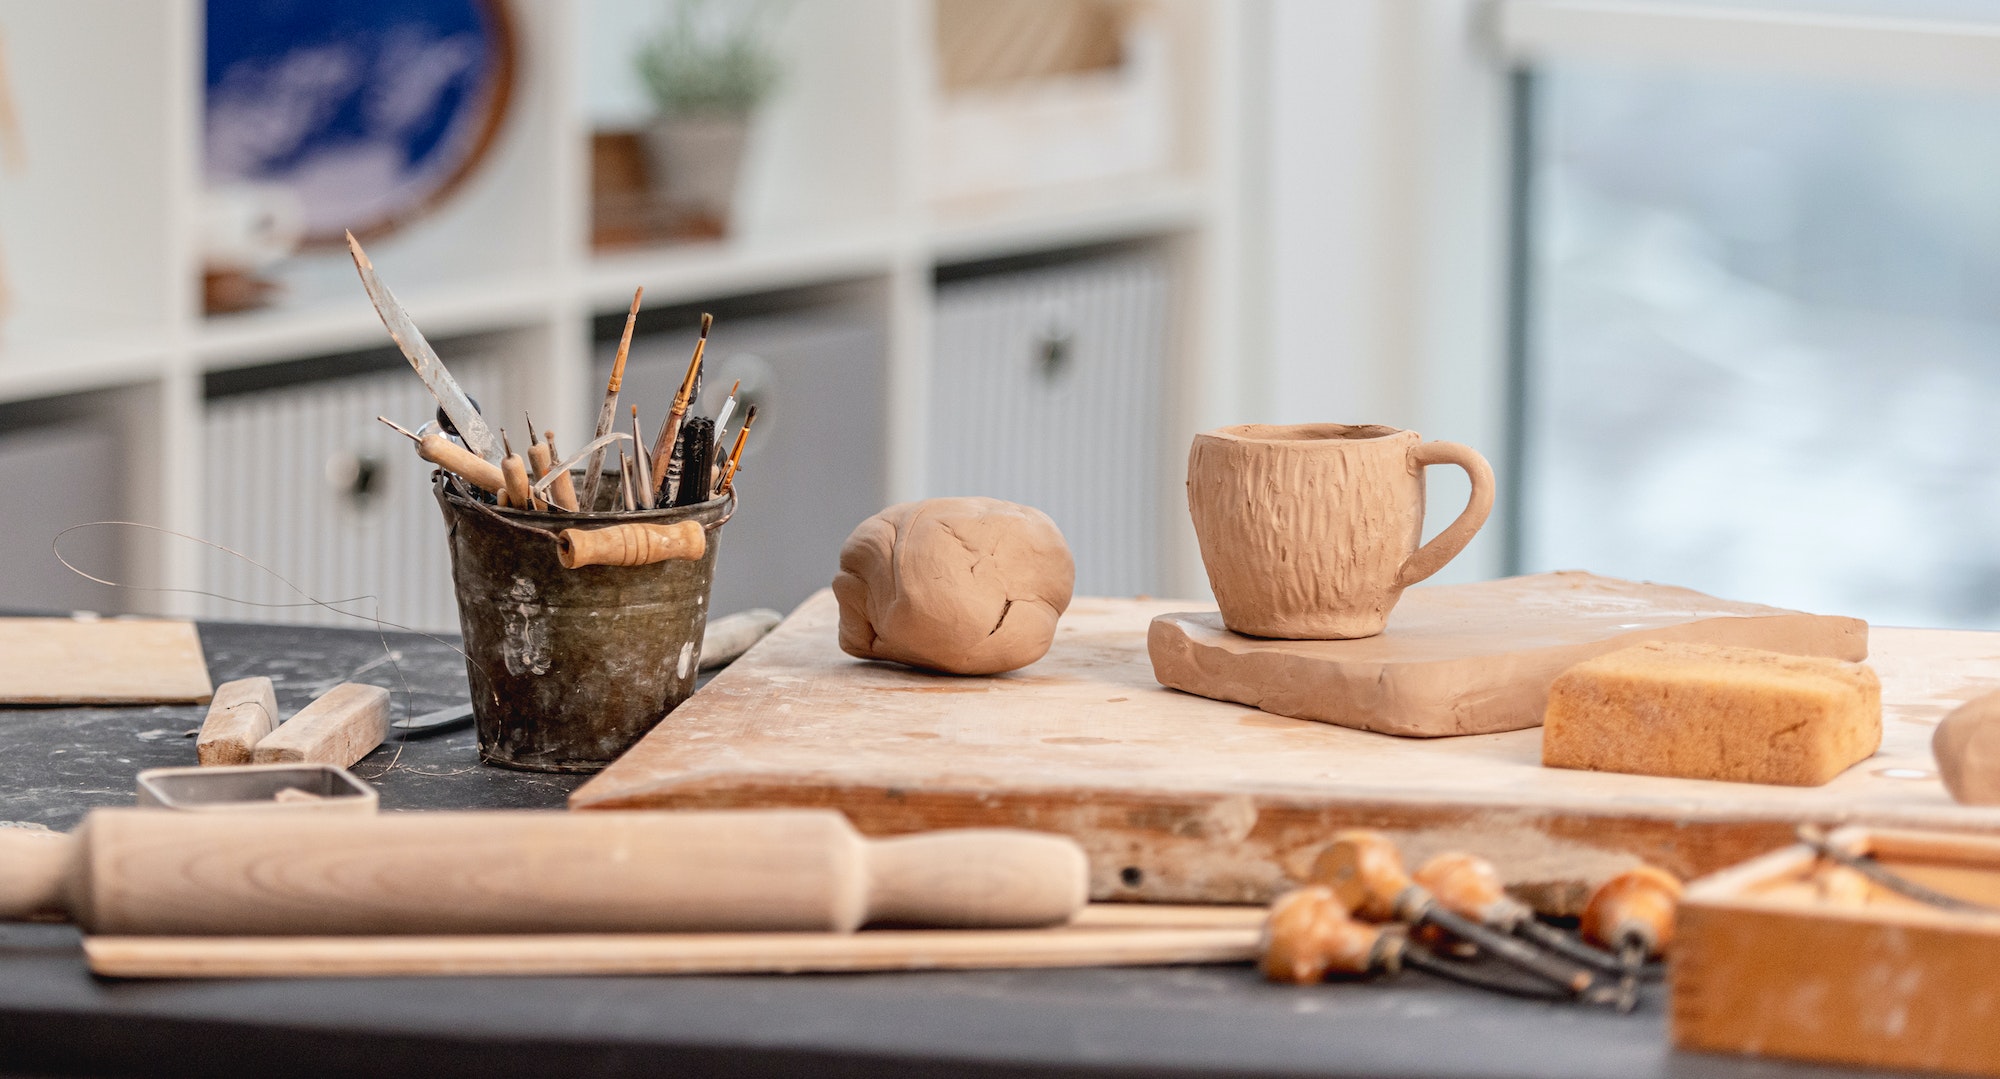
{"x": 1183, "y": 799}
{"x": 47, "y": 661}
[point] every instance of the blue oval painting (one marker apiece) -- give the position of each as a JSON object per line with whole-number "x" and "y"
{"x": 372, "y": 110}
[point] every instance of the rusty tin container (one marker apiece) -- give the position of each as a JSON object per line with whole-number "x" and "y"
{"x": 570, "y": 667}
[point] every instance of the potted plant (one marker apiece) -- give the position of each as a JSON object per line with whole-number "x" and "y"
{"x": 708, "y": 69}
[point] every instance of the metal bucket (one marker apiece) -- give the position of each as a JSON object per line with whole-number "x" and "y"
{"x": 569, "y": 667}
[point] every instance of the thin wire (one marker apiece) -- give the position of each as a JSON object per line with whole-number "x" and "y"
{"x": 1867, "y": 866}
{"x": 381, "y": 637}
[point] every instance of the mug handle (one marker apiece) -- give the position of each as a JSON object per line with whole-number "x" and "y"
{"x": 1445, "y": 546}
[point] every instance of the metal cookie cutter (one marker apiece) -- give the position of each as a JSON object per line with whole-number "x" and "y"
{"x": 257, "y": 788}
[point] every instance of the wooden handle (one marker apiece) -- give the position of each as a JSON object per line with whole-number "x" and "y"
{"x": 461, "y": 462}
{"x": 1364, "y": 870}
{"x": 1470, "y": 887}
{"x": 152, "y": 872}
{"x": 976, "y": 878}
{"x": 35, "y": 870}
{"x": 515, "y": 472}
{"x": 1634, "y": 907}
{"x": 1309, "y": 935}
{"x": 631, "y": 545}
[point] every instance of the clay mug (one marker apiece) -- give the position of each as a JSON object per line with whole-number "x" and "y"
{"x": 1311, "y": 532}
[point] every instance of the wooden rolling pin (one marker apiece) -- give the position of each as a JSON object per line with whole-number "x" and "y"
{"x": 154, "y": 872}
{"x": 631, "y": 544}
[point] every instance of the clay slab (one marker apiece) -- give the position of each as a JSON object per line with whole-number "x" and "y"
{"x": 1472, "y": 658}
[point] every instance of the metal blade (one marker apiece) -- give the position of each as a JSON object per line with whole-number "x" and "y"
{"x": 541, "y": 486}
{"x": 471, "y": 427}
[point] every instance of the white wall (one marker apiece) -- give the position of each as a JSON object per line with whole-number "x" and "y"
{"x": 1376, "y": 229}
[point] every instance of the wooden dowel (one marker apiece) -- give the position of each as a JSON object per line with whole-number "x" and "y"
{"x": 607, "y": 413}
{"x": 635, "y": 544}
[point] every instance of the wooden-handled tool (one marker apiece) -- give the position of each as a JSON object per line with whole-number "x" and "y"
{"x": 1633, "y": 915}
{"x": 139, "y": 871}
{"x": 455, "y": 459}
{"x": 1364, "y": 870}
{"x": 1470, "y": 886}
{"x": 631, "y": 544}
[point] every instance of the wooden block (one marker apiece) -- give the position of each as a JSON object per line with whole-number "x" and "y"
{"x": 339, "y": 728}
{"x": 1703, "y": 712}
{"x": 1473, "y": 658}
{"x": 109, "y": 661}
{"x": 241, "y": 714}
{"x": 1765, "y": 963}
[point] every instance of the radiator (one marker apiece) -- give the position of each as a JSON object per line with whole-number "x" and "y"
{"x": 303, "y": 480}
{"x": 1047, "y": 389}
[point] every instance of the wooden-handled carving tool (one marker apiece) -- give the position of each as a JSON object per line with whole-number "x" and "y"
{"x": 133, "y": 871}
{"x": 636, "y": 544}
{"x": 1470, "y": 887}
{"x": 607, "y": 413}
{"x": 455, "y": 459}
{"x": 515, "y": 471}
{"x": 471, "y": 426}
{"x": 1310, "y": 935}
{"x": 1364, "y": 870}
{"x": 1633, "y": 915}
{"x": 544, "y": 487}
{"x": 670, "y": 431}
{"x": 561, "y": 489}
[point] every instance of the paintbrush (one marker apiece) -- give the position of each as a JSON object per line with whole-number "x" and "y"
{"x": 607, "y": 413}
{"x": 727, "y": 410}
{"x": 670, "y": 431}
{"x": 736, "y": 455}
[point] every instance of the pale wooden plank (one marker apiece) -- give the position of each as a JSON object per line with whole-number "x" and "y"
{"x": 112, "y": 661}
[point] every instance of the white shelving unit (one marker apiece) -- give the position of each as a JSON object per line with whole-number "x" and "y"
{"x": 98, "y": 231}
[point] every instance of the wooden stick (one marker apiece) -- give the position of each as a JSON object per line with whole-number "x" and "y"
{"x": 644, "y": 484}
{"x": 607, "y": 413}
{"x": 735, "y": 455}
{"x": 625, "y": 479}
{"x": 670, "y": 431}
{"x": 563, "y": 491}
{"x": 663, "y": 953}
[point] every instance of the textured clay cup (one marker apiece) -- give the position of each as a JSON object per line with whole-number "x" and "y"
{"x": 1311, "y": 532}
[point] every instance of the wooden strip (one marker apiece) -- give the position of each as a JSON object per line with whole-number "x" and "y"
{"x": 341, "y": 727}
{"x": 1167, "y": 915}
{"x": 661, "y": 953}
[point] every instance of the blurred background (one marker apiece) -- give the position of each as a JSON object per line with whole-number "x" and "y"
{"x": 1713, "y": 285}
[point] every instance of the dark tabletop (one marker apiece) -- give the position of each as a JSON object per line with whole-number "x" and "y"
{"x": 56, "y": 1018}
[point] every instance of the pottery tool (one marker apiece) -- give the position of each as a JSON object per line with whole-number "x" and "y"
{"x": 471, "y": 426}
{"x": 562, "y": 489}
{"x": 531, "y": 872}
{"x": 1470, "y": 887}
{"x": 1633, "y": 915}
{"x": 697, "y": 454}
{"x": 101, "y": 661}
{"x": 636, "y": 544}
{"x": 736, "y": 455}
{"x": 607, "y": 413}
{"x": 1365, "y": 871}
{"x": 670, "y": 431}
{"x": 339, "y": 728}
{"x": 642, "y": 486}
{"x": 239, "y": 716}
{"x": 453, "y": 458}
{"x": 256, "y": 788}
{"x": 625, "y": 480}
{"x": 1310, "y": 935}
{"x": 557, "y": 473}
{"x": 727, "y": 410}
{"x": 514, "y": 470}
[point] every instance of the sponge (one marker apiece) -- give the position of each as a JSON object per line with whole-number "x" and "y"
{"x": 1710, "y": 712}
